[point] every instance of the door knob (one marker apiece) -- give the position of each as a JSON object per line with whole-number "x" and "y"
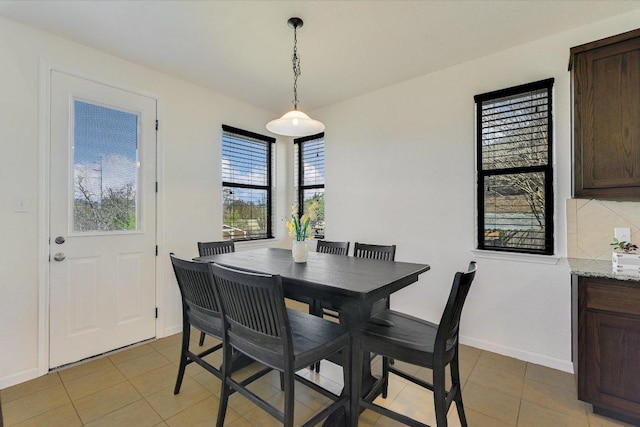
{"x": 59, "y": 240}
{"x": 59, "y": 256}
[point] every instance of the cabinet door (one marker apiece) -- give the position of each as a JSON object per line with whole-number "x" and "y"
{"x": 606, "y": 87}
{"x": 611, "y": 349}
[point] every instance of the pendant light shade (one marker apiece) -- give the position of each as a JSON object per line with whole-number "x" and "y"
{"x": 295, "y": 122}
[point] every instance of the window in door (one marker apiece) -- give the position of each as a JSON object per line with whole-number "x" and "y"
{"x": 246, "y": 184}
{"x": 515, "y": 169}
{"x": 309, "y": 178}
{"x": 105, "y": 169}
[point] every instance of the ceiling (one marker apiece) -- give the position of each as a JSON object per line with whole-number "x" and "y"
{"x": 243, "y": 49}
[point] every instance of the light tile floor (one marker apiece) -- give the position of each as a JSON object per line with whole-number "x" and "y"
{"x": 134, "y": 388}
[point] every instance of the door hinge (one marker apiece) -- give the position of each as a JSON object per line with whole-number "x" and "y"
{"x": 156, "y": 312}
{"x": 156, "y": 186}
{"x": 156, "y": 250}
{"x": 156, "y": 125}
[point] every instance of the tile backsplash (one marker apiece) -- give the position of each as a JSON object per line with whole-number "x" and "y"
{"x": 591, "y": 223}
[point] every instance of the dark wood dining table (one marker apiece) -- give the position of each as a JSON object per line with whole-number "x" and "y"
{"x": 350, "y": 285}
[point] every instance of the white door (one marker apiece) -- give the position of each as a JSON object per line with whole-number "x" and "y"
{"x": 102, "y": 218}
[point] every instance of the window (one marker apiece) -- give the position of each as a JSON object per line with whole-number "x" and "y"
{"x": 309, "y": 174}
{"x": 246, "y": 184}
{"x": 515, "y": 172}
{"x": 105, "y": 169}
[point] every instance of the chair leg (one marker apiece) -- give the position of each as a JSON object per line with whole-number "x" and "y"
{"x": 314, "y": 306}
{"x": 385, "y": 376}
{"x": 347, "y": 363}
{"x": 455, "y": 379}
{"x": 226, "y": 369}
{"x": 356, "y": 379}
{"x": 186, "y": 336}
{"x": 289, "y": 397}
{"x": 201, "y": 342}
{"x": 440, "y": 396}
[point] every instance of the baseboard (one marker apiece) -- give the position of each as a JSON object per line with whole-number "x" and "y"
{"x": 19, "y": 378}
{"x": 539, "y": 359}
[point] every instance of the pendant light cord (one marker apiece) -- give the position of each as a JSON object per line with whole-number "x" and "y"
{"x": 296, "y": 68}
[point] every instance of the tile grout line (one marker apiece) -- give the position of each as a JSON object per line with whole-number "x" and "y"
{"x": 524, "y": 380}
{"x": 73, "y": 405}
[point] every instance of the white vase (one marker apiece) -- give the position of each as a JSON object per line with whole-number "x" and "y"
{"x": 624, "y": 260}
{"x": 300, "y": 251}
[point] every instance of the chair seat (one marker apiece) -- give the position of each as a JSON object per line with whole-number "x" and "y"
{"x": 313, "y": 338}
{"x": 403, "y": 337}
{"x": 311, "y": 332}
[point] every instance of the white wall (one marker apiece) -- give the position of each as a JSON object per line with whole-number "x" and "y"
{"x": 400, "y": 169}
{"x": 189, "y": 137}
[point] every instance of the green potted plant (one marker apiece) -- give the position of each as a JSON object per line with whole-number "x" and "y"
{"x": 624, "y": 247}
{"x": 300, "y": 230}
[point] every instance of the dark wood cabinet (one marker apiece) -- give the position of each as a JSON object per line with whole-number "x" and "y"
{"x": 606, "y": 118}
{"x": 607, "y": 354}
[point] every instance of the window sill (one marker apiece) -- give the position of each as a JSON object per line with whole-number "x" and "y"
{"x": 517, "y": 257}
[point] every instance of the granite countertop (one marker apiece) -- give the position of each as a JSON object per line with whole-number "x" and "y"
{"x": 599, "y": 268}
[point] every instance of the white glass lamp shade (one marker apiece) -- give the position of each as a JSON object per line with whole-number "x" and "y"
{"x": 295, "y": 123}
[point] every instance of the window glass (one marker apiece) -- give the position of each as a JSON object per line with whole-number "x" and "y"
{"x": 515, "y": 173}
{"x": 105, "y": 169}
{"x": 309, "y": 176}
{"x": 246, "y": 184}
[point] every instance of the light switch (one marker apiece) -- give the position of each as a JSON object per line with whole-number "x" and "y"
{"x": 623, "y": 234}
{"x": 21, "y": 205}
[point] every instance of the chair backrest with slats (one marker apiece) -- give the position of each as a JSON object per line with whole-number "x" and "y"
{"x": 381, "y": 252}
{"x": 255, "y": 316}
{"x": 334, "y": 248}
{"x": 448, "y": 329}
{"x": 196, "y": 290}
{"x": 216, "y": 248}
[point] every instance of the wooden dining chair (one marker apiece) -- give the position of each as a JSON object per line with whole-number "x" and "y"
{"x": 381, "y": 252}
{"x": 418, "y": 342}
{"x": 378, "y": 252}
{"x": 214, "y": 248}
{"x": 364, "y": 250}
{"x": 200, "y": 310}
{"x": 315, "y": 306}
{"x": 361, "y": 250}
{"x": 334, "y": 248}
{"x": 257, "y": 324}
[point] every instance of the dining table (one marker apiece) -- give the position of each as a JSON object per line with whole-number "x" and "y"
{"x": 351, "y": 285}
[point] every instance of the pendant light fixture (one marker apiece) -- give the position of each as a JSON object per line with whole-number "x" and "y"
{"x": 295, "y": 122}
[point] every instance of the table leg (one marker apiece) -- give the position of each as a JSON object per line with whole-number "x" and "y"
{"x": 354, "y": 316}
